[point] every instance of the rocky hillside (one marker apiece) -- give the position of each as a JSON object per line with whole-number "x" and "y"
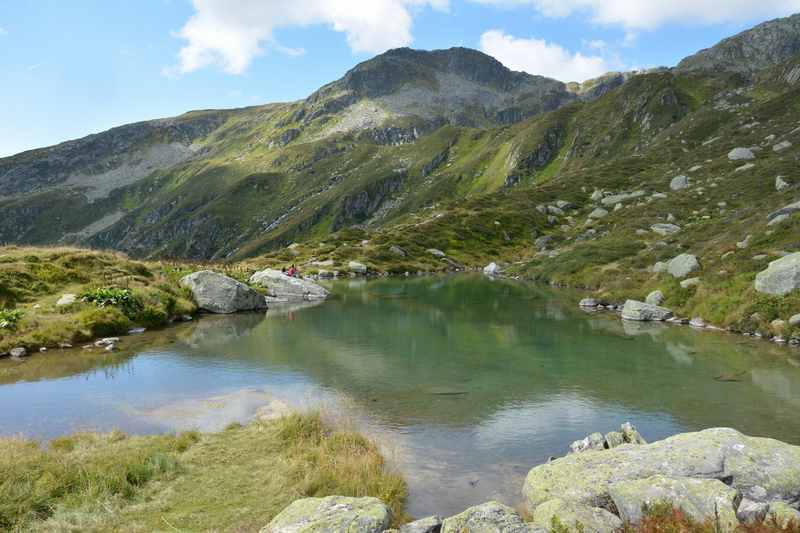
{"x": 437, "y": 160}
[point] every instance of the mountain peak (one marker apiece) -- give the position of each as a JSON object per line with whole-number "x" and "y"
{"x": 762, "y": 46}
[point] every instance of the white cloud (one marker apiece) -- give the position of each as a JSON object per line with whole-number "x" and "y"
{"x": 537, "y": 56}
{"x": 230, "y": 33}
{"x": 650, "y": 14}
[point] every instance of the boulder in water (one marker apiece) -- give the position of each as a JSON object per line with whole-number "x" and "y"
{"x": 217, "y": 293}
{"x": 287, "y": 288}
{"x": 644, "y": 312}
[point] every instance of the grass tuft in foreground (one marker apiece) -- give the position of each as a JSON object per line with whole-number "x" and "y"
{"x": 238, "y": 479}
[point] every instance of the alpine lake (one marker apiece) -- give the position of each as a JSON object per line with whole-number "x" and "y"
{"x": 465, "y": 382}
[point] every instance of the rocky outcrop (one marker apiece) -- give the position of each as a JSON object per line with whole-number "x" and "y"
{"x": 781, "y": 276}
{"x": 286, "y": 288}
{"x": 762, "y": 470}
{"x": 334, "y": 514}
{"x": 358, "y": 206}
{"x": 217, "y": 293}
{"x": 644, "y": 312}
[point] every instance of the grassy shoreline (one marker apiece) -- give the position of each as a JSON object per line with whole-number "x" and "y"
{"x": 238, "y": 479}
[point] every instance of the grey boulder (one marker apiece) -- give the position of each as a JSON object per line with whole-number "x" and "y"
{"x": 739, "y": 154}
{"x": 217, "y": 293}
{"x": 678, "y": 183}
{"x": 575, "y": 517}
{"x": 665, "y": 229}
{"x": 286, "y": 288}
{"x": 782, "y": 276}
{"x": 644, "y": 312}
{"x": 431, "y": 524}
{"x": 682, "y": 265}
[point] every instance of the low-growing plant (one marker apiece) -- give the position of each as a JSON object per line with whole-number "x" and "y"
{"x": 129, "y": 303}
{"x": 10, "y": 317}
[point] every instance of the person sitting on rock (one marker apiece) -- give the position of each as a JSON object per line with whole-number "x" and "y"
{"x": 292, "y": 273}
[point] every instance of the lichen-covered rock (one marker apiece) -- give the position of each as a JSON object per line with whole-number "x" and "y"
{"x": 682, "y": 265}
{"x": 782, "y": 276}
{"x": 490, "y": 517}
{"x": 644, "y": 312}
{"x": 761, "y": 469}
{"x": 333, "y": 514}
{"x": 699, "y": 499}
{"x": 431, "y": 524}
{"x": 595, "y": 441}
{"x": 217, "y": 293}
{"x": 575, "y": 517}
{"x": 750, "y": 512}
{"x": 287, "y": 288}
{"x": 630, "y": 434}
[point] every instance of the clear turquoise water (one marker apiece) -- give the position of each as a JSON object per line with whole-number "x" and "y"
{"x": 466, "y": 382}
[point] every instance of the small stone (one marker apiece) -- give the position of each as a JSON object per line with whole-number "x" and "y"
{"x": 750, "y": 512}
{"x": 614, "y": 439}
{"x": 591, "y": 302}
{"x": 745, "y": 167}
{"x": 106, "y": 341}
{"x": 781, "y": 146}
{"x": 110, "y": 348}
{"x": 396, "y": 250}
{"x": 738, "y": 154}
{"x": 597, "y": 195}
{"x": 665, "y": 229}
{"x": 136, "y": 331}
{"x": 745, "y": 243}
{"x": 654, "y": 298}
{"x": 66, "y": 299}
{"x": 778, "y": 219}
{"x": 435, "y": 252}
{"x": 682, "y": 265}
{"x": 358, "y": 268}
{"x": 794, "y": 321}
{"x": 781, "y": 185}
{"x": 697, "y": 322}
{"x": 690, "y": 282}
{"x": 630, "y": 434}
{"x": 598, "y": 213}
{"x": 678, "y": 183}
{"x": 18, "y": 353}
{"x": 491, "y": 269}
{"x": 671, "y": 218}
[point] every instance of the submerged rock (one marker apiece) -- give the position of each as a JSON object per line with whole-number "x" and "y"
{"x": 782, "y": 276}
{"x": 490, "y": 517}
{"x": 217, "y": 293}
{"x": 644, "y": 312}
{"x": 699, "y": 499}
{"x": 283, "y": 287}
{"x": 332, "y": 514}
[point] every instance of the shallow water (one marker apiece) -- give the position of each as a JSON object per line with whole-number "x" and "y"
{"x": 465, "y": 382}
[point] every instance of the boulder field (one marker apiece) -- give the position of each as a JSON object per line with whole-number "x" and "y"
{"x": 717, "y": 475}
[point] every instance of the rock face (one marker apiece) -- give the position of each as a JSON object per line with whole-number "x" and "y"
{"x": 283, "y": 287}
{"x": 683, "y": 265}
{"x": 576, "y": 517}
{"x": 644, "y": 312}
{"x": 334, "y": 514}
{"x": 217, "y": 293}
{"x": 781, "y": 276}
{"x": 763, "y": 470}
{"x": 699, "y": 499}
{"x": 491, "y": 517}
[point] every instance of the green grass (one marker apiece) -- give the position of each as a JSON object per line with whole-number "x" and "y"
{"x": 235, "y": 480}
{"x": 114, "y": 294}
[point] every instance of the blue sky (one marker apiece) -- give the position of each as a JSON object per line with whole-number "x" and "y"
{"x": 70, "y": 68}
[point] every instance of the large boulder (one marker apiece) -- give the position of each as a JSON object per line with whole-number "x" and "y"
{"x": 700, "y": 499}
{"x": 782, "y": 276}
{"x": 575, "y": 517}
{"x": 683, "y": 265}
{"x": 217, "y": 293}
{"x": 490, "y": 517}
{"x": 286, "y": 288}
{"x": 644, "y": 312}
{"x": 333, "y": 514}
{"x": 760, "y": 469}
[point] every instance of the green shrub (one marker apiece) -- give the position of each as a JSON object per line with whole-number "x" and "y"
{"x": 10, "y": 317}
{"x": 152, "y": 316}
{"x": 104, "y": 321}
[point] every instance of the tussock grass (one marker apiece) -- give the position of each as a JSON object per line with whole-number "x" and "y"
{"x": 235, "y": 480}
